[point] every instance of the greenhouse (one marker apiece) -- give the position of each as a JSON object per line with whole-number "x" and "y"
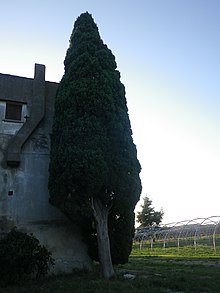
{"x": 197, "y": 232}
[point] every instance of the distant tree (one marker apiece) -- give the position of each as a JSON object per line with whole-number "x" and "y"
{"x": 148, "y": 216}
{"x": 94, "y": 170}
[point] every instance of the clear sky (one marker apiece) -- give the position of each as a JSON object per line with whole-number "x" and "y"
{"x": 168, "y": 53}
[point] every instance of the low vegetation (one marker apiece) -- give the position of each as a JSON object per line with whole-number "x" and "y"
{"x": 189, "y": 251}
{"x": 22, "y": 258}
{"x": 170, "y": 272}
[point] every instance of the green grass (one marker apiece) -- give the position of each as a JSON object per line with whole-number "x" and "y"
{"x": 183, "y": 251}
{"x": 158, "y": 270}
{"x": 178, "y": 274}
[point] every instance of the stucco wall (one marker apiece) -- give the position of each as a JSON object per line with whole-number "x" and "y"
{"x": 23, "y": 187}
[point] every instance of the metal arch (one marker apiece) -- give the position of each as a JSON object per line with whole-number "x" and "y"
{"x": 214, "y": 234}
{"x": 199, "y": 227}
{"x": 171, "y": 227}
{"x": 181, "y": 230}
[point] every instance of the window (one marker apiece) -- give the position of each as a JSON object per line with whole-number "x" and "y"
{"x": 13, "y": 111}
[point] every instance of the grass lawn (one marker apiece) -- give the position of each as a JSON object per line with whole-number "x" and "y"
{"x": 154, "y": 274}
{"x": 201, "y": 251}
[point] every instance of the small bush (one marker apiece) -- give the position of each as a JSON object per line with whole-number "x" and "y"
{"x": 22, "y": 257}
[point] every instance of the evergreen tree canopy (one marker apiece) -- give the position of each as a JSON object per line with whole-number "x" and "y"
{"x": 92, "y": 151}
{"x": 148, "y": 216}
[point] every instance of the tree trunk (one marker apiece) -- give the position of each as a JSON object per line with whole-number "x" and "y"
{"x": 101, "y": 217}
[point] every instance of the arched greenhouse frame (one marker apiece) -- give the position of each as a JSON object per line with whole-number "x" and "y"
{"x": 196, "y": 232}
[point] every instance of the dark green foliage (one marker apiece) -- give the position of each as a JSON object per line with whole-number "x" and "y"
{"x": 148, "y": 216}
{"x": 22, "y": 257}
{"x": 121, "y": 232}
{"x": 92, "y": 151}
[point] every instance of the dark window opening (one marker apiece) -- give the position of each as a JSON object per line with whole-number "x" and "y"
{"x": 13, "y": 111}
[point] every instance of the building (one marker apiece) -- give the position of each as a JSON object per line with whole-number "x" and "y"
{"x": 26, "y": 115}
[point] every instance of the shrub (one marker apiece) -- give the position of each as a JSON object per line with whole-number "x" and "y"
{"x": 22, "y": 257}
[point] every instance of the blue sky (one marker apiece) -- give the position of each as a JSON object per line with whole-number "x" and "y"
{"x": 168, "y": 54}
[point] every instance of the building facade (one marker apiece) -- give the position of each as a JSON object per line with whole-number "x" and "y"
{"x": 26, "y": 116}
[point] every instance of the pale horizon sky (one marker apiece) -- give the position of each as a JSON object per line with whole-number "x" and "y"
{"x": 168, "y": 54}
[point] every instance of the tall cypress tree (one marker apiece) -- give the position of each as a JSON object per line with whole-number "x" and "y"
{"x": 94, "y": 170}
